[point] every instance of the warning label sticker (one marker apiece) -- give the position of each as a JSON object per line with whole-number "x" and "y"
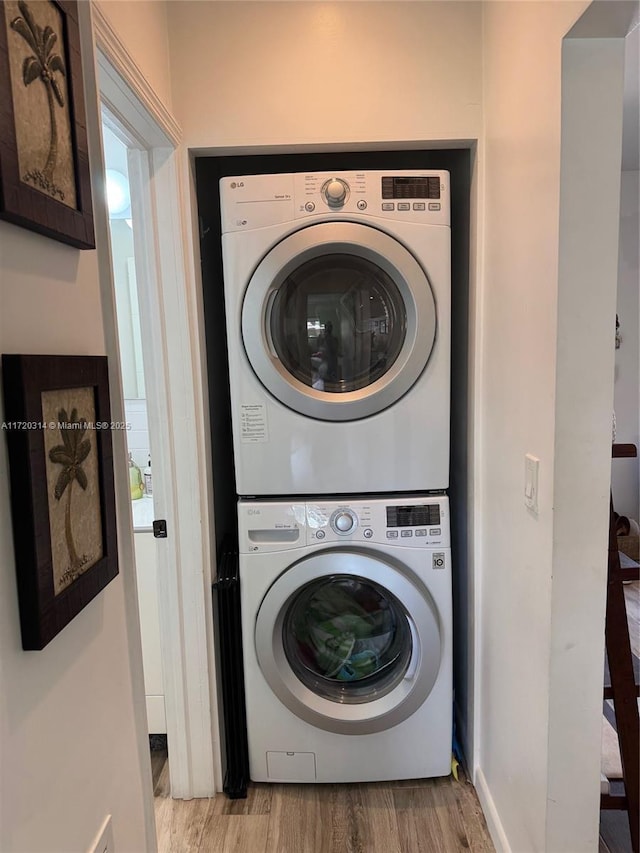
{"x": 253, "y": 423}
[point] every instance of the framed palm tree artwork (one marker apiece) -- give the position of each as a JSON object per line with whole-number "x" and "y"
{"x": 44, "y": 165}
{"x": 57, "y": 424}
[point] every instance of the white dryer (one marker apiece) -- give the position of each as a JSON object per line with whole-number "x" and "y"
{"x": 346, "y": 628}
{"x": 337, "y": 292}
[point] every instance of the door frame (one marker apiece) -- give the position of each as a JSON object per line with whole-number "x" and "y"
{"x": 175, "y": 417}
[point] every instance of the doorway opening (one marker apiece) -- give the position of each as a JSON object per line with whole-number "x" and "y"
{"x": 172, "y": 386}
{"x": 133, "y": 340}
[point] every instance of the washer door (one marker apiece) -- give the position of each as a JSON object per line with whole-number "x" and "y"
{"x": 348, "y": 642}
{"x": 338, "y": 321}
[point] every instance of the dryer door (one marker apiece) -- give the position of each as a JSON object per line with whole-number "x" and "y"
{"x": 338, "y": 321}
{"x": 349, "y": 642}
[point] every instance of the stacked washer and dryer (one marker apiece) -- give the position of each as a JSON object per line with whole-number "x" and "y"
{"x": 337, "y": 291}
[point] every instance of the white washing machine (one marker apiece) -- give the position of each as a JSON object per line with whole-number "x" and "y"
{"x": 346, "y": 625}
{"x": 337, "y": 291}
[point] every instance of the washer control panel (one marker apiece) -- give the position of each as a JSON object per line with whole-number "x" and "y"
{"x": 406, "y": 522}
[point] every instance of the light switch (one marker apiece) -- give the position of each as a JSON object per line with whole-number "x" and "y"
{"x": 531, "y": 466}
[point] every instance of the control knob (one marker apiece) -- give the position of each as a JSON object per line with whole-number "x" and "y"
{"x": 344, "y": 521}
{"x": 335, "y": 192}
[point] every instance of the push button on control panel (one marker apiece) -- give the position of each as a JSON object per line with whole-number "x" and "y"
{"x": 388, "y": 205}
{"x": 320, "y": 534}
{"x": 392, "y": 534}
{"x": 421, "y": 532}
{"x": 435, "y": 531}
{"x": 309, "y": 207}
{"x": 362, "y": 204}
{"x": 406, "y": 533}
{"x": 367, "y": 533}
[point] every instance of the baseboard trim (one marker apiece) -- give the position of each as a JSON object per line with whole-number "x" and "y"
{"x": 494, "y": 824}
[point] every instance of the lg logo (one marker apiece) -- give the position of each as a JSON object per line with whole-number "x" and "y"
{"x": 236, "y": 184}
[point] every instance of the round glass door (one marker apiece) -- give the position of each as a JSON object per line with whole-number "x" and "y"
{"x": 338, "y": 642}
{"x": 338, "y": 321}
{"x": 347, "y": 639}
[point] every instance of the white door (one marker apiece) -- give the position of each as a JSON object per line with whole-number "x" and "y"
{"x": 348, "y": 642}
{"x": 338, "y": 321}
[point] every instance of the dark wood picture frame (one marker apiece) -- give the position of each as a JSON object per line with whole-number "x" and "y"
{"x": 27, "y": 382}
{"x": 21, "y": 201}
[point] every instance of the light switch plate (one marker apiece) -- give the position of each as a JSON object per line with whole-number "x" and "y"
{"x": 531, "y": 469}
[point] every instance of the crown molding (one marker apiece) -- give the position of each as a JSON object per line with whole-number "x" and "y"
{"x": 109, "y": 44}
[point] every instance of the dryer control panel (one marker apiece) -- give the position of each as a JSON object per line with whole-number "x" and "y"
{"x": 407, "y": 522}
{"x": 256, "y": 201}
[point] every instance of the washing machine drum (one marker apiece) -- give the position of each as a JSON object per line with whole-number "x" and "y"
{"x": 349, "y": 642}
{"x": 338, "y": 321}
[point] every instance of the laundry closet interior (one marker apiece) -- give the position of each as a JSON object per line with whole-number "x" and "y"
{"x": 340, "y": 496}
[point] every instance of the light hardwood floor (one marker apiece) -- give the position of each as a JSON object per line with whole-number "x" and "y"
{"x": 423, "y": 816}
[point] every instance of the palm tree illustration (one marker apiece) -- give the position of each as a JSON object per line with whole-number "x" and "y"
{"x": 43, "y": 65}
{"x": 71, "y": 454}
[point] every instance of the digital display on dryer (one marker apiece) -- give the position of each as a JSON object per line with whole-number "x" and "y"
{"x": 413, "y": 516}
{"x": 411, "y": 187}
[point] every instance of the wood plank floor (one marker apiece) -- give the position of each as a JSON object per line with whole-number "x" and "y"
{"x": 423, "y": 816}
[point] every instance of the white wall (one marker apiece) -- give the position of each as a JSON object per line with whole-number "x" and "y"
{"x": 553, "y": 120}
{"x": 592, "y": 87}
{"x": 71, "y": 724}
{"x": 522, "y": 76}
{"x": 278, "y": 73}
{"x": 142, "y": 28}
{"x": 627, "y": 378}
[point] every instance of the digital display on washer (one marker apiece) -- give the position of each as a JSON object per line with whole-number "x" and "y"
{"x": 410, "y": 187}
{"x": 413, "y": 516}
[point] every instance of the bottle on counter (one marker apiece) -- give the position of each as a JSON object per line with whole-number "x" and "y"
{"x": 135, "y": 480}
{"x": 148, "y": 483}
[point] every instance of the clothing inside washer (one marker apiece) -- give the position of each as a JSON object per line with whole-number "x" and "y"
{"x": 347, "y": 639}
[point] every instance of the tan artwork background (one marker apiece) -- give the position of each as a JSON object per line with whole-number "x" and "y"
{"x": 31, "y": 108}
{"x": 85, "y": 508}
